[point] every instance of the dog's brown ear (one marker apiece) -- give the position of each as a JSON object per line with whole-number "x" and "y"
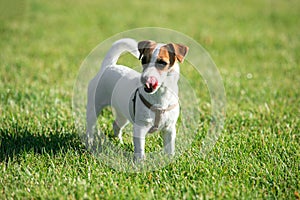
{"x": 180, "y": 51}
{"x": 146, "y": 46}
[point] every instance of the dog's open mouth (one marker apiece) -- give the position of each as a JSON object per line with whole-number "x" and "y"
{"x": 149, "y": 88}
{"x": 151, "y": 85}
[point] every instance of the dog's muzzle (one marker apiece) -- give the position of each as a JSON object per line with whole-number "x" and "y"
{"x": 150, "y": 84}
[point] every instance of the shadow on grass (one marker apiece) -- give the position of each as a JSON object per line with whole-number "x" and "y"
{"x": 13, "y": 145}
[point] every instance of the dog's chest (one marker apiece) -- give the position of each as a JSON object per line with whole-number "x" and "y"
{"x": 160, "y": 115}
{"x": 147, "y": 117}
{"x": 166, "y": 118}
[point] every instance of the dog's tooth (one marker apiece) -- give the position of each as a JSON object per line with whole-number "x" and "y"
{"x": 148, "y": 85}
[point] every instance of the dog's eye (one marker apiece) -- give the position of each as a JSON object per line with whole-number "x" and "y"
{"x": 161, "y": 62}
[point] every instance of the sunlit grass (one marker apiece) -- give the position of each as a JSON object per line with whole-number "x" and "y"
{"x": 255, "y": 45}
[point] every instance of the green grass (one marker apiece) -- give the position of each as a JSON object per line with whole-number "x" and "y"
{"x": 256, "y": 46}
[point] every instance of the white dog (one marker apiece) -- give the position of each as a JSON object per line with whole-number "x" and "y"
{"x": 148, "y": 100}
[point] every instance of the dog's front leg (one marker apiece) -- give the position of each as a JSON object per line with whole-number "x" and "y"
{"x": 139, "y": 137}
{"x": 169, "y": 136}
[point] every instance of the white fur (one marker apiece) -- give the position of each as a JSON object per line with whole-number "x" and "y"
{"x": 115, "y": 85}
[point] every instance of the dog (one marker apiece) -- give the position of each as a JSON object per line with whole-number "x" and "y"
{"x": 149, "y": 99}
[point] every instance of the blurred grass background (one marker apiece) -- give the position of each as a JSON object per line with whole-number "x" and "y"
{"x": 255, "y": 45}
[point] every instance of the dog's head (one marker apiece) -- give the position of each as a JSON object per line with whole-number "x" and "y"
{"x": 158, "y": 61}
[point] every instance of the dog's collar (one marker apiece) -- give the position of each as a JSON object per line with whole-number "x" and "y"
{"x": 157, "y": 110}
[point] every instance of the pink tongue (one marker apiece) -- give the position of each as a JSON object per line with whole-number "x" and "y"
{"x": 152, "y": 82}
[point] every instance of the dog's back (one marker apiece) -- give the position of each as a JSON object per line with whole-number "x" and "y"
{"x": 117, "y": 86}
{"x": 100, "y": 95}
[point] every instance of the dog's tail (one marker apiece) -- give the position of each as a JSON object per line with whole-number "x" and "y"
{"x": 117, "y": 49}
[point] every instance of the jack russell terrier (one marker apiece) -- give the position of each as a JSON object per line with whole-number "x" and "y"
{"x": 149, "y": 99}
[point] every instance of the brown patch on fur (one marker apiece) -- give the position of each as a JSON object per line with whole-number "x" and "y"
{"x": 167, "y": 56}
{"x": 146, "y": 48}
{"x": 178, "y": 50}
{"x": 169, "y": 53}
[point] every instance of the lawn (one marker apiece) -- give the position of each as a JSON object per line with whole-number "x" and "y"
{"x": 256, "y": 47}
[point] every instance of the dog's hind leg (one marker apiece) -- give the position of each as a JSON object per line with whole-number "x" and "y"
{"x": 95, "y": 104}
{"x": 92, "y": 114}
{"x": 119, "y": 123}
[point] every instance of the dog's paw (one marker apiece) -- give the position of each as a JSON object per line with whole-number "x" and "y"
{"x": 89, "y": 142}
{"x": 139, "y": 158}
